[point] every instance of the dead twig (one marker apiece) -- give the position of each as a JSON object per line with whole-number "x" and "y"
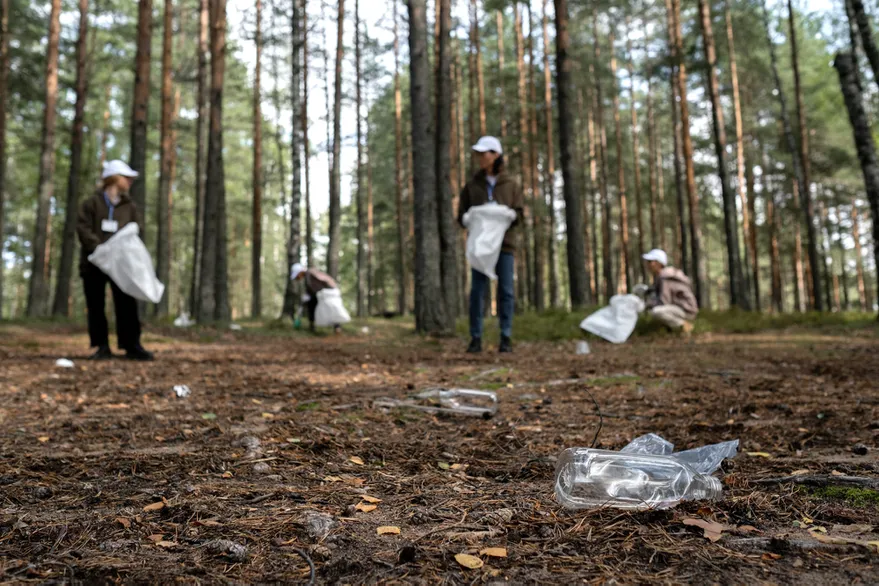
{"x": 823, "y": 480}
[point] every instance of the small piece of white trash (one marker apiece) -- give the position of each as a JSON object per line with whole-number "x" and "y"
{"x": 235, "y": 327}
{"x": 183, "y": 321}
{"x": 583, "y": 348}
{"x": 64, "y": 363}
{"x": 182, "y": 391}
{"x": 365, "y": 330}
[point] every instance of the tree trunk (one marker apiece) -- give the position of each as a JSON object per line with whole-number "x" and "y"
{"x": 654, "y": 166}
{"x": 677, "y": 134}
{"x": 538, "y": 290}
{"x": 606, "y": 251}
{"x": 859, "y": 256}
{"x": 163, "y": 209}
{"x": 480, "y": 77}
{"x": 636, "y": 155}
{"x": 596, "y": 189}
{"x": 38, "y": 294}
{"x": 336, "y": 183}
{"x": 573, "y": 208}
{"x": 140, "y": 107}
{"x": 4, "y": 82}
{"x": 831, "y": 286}
{"x": 737, "y": 292}
{"x": 281, "y": 151}
{"x": 843, "y": 271}
{"x": 584, "y": 153}
{"x": 430, "y": 312}
{"x": 445, "y": 214}
{"x": 749, "y": 258}
{"x": 61, "y": 306}
{"x": 625, "y": 266}
{"x": 863, "y": 138}
{"x": 752, "y": 233}
{"x": 398, "y": 173}
{"x": 370, "y": 225}
{"x": 200, "y": 162}
{"x": 306, "y": 143}
{"x": 550, "y": 165}
{"x": 867, "y": 41}
{"x": 526, "y": 268}
{"x": 804, "y": 176}
{"x": 777, "y": 295}
{"x": 697, "y": 258}
{"x": 360, "y": 193}
{"x": 294, "y": 242}
{"x": 502, "y": 104}
{"x": 256, "y": 215}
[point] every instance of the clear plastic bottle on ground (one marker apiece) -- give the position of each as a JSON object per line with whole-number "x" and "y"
{"x": 588, "y": 478}
{"x": 452, "y": 401}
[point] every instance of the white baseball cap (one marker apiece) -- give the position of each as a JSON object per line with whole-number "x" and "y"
{"x": 488, "y": 143}
{"x": 118, "y": 167}
{"x": 658, "y": 255}
{"x": 296, "y": 270}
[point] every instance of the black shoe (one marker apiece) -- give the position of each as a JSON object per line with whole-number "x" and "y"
{"x": 506, "y": 345}
{"x": 103, "y": 353}
{"x": 475, "y": 346}
{"x": 140, "y": 354}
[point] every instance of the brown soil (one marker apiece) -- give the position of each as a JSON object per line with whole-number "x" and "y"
{"x": 279, "y": 430}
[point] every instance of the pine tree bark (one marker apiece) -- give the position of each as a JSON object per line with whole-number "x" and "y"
{"x": 804, "y": 177}
{"x": 4, "y": 89}
{"x": 502, "y": 104}
{"x": 752, "y": 233}
{"x": 140, "y": 107}
{"x": 200, "y": 157}
{"x": 624, "y": 268}
{"x": 863, "y": 139}
{"x": 163, "y": 207}
{"x": 430, "y": 312}
{"x": 843, "y": 272}
{"x": 772, "y": 221}
{"x": 636, "y": 154}
{"x": 585, "y": 164}
{"x": 306, "y": 143}
{"x": 480, "y": 76}
{"x": 61, "y": 306}
{"x": 598, "y": 106}
{"x": 831, "y": 285}
{"x": 38, "y": 293}
{"x": 402, "y": 279}
{"x": 445, "y": 214}
{"x": 371, "y": 251}
{"x": 867, "y": 42}
{"x": 699, "y": 275}
{"x": 596, "y": 190}
{"x": 257, "y": 181}
{"x": 336, "y": 183}
{"x": 554, "y": 299}
{"x": 573, "y": 207}
{"x": 538, "y": 289}
{"x": 655, "y": 167}
{"x": 859, "y": 255}
{"x": 737, "y": 293}
{"x": 294, "y": 241}
{"x": 677, "y": 135}
{"x": 526, "y": 270}
{"x": 360, "y": 193}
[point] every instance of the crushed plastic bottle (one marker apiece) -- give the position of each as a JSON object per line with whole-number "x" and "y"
{"x": 64, "y": 363}
{"x": 454, "y": 401}
{"x": 704, "y": 459}
{"x": 583, "y": 348}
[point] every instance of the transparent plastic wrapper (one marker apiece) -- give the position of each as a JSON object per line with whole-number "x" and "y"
{"x": 616, "y": 322}
{"x": 330, "y": 310}
{"x": 454, "y": 401}
{"x": 486, "y": 227}
{"x": 588, "y": 478}
{"x": 183, "y": 321}
{"x": 649, "y": 444}
{"x": 125, "y": 259}
{"x": 704, "y": 459}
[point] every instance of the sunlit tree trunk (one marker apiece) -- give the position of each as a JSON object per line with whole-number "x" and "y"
{"x": 4, "y": 82}
{"x": 200, "y": 156}
{"x": 752, "y": 232}
{"x": 477, "y": 54}
{"x": 38, "y": 293}
{"x": 598, "y": 106}
{"x": 843, "y": 269}
{"x": 550, "y": 164}
{"x": 636, "y": 155}
{"x": 336, "y": 184}
{"x": 773, "y": 224}
{"x": 625, "y": 267}
{"x": 587, "y": 175}
{"x": 163, "y": 207}
{"x": 294, "y": 239}
{"x": 306, "y": 143}
{"x": 526, "y": 270}
{"x": 654, "y": 167}
{"x": 677, "y": 130}
{"x": 538, "y": 290}
{"x": 61, "y": 306}
{"x": 859, "y": 256}
{"x": 360, "y": 193}
{"x": 398, "y": 172}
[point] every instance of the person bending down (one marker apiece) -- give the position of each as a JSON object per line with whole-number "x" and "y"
{"x": 315, "y": 281}
{"x": 670, "y": 300}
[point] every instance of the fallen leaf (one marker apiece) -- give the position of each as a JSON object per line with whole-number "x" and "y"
{"x": 817, "y": 529}
{"x": 469, "y": 561}
{"x": 800, "y": 472}
{"x": 43, "y": 439}
{"x": 802, "y": 430}
{"x": 457, "y": 466}
{"x": 166, "y": 544}
{"x": 227, "y": 474}
{"x": 365, "y": 508}
{"x": 711, "y": 530}
{"x": 370, "y": 499}
{"x": 760, "y": 454}
{"x": 124, "y": 522}
{"x": 209, "y": 416}
{"x": 332, "y": 479}
{"x": 388, "y": 530}
{"x": 154, "y": 507}
{"x": 351, "y": 481}
{"x": 771, "y": 556}
{"x": 156, "y": 537}
{"x": 443, "y": 465}
{"x": 494, "y": 552}
{"x": 836, "y": 473}
{"x": 268, "y": 416}
{"x": 747, "y": 529}
{"x": 209, "y": 523}
{"x": 356, "y": 460}
{"x": 874, "y": 544}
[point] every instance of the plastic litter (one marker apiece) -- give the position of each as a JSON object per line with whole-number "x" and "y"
{"x": 235, "y": 327}
{"x": 318, "y": 525}
{"x": 330, "y": 310}
{"x": 616, "y": 322}
{"x": 486, "y": 226}
{"x": 454, "y": 401}
{"x": 64, "y": 363}
{"x": 182, "y": 391}
{"x": 583, "y": 348}
{"x": 645, "y": 474}
{"x": 125, "y": 259}
{"x": 184, "y": 321}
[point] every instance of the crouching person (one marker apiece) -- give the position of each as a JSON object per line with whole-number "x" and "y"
{"x": 315, "y": 281}
{"x": 670, "y": 300}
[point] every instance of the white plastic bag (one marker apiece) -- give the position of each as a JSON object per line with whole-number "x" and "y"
{"x": 127, "y": 262}
{"x": 616, "y": 322}
{"x": 330, "y": 311}
{"x": 486, "y": 226}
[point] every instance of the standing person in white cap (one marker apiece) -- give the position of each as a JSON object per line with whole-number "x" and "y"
{"x": 315, "y": 281}
{"x": 99, "y": 218}
{"x": 492, "y": 184}
{"x": 670, "y": 300}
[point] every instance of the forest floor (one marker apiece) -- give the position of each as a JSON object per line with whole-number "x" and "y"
{"x": 107, "y": 476}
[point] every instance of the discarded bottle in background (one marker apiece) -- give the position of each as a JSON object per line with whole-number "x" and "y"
{"x": 583, "y": 348}
{"x": 589, "y": 478}
{"x": 454, "y": 401}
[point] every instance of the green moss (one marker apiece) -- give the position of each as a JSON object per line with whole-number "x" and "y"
{"x": 311, "y": 406}
{"x": 858, "y": 497}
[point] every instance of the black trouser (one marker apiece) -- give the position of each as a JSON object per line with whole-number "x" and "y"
{"x": 311, "y": 306}
{"x": 127, "y": 321}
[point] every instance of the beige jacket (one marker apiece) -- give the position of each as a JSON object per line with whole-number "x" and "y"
{"x": 673, "y": 287}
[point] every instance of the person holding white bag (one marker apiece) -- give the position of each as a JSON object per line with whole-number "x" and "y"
{"x": 100, "y": 217}
{"x": 318, "y": 284}
{"x": 492, "y": 185}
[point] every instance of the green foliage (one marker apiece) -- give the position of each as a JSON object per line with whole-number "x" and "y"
{"x": 856, "y": 497}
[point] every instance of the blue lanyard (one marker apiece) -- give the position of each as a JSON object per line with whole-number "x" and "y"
{"x": 490, "y": 187}
{"x": 110, "y": 206}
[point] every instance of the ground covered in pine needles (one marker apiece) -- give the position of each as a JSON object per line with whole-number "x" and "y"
{"x": 279, "y": 459}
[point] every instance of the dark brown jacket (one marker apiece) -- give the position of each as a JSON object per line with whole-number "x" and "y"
{"x": 316, "y": 280}
{"x": 672, "y": 287}
{"x": 506, "y": 192}
{"x": 88, "y": 225}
